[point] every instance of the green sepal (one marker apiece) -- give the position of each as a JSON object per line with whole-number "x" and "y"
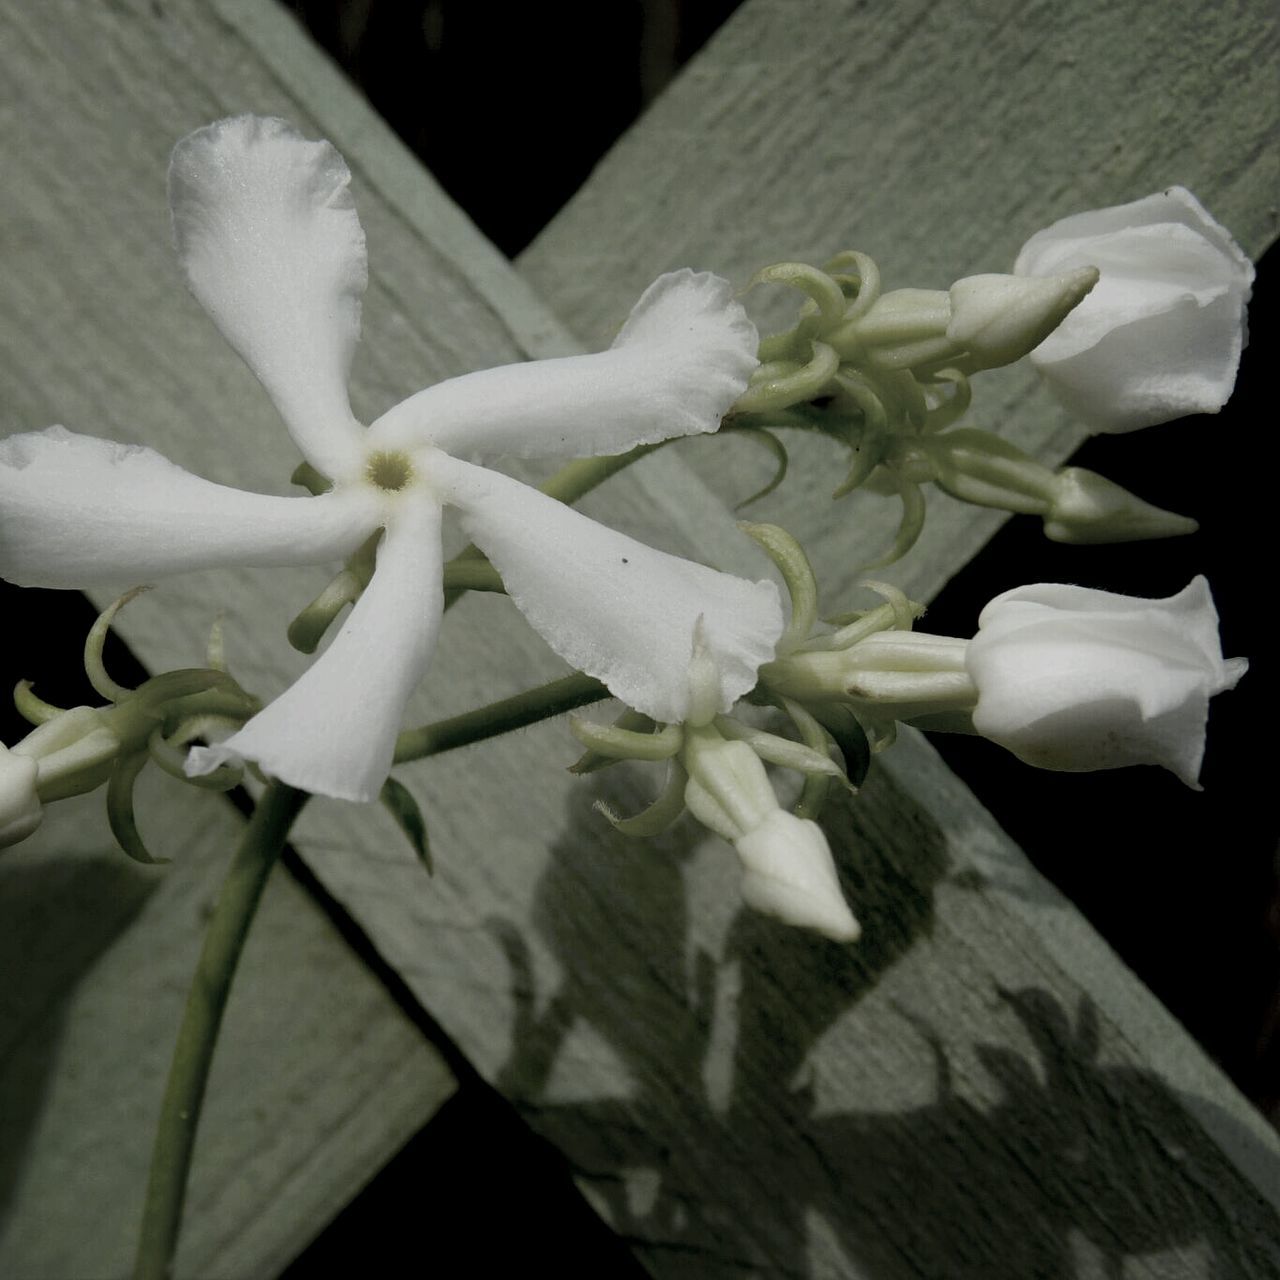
{"x": 120, "y": 809}
{"x": 797, "y": 574}
{"x": 808, "y": 757}
{"x": 32, "y": 709}
{"x": 400, "y": 804}
{"x": 97, "y": 637}
{"x": 171, "y": 686}
{"x": 307, "y": 477}
{"x": 626, "y": 744}
{"x": 591, "y": 761}
{"x": 817, "y": 786}
{"x": 860, "y": 271}
{"x": 769, "y": 442}
{"x": 786, "y": 383}
{"x": 824, "y": 291}
{"x": 913, "y": 513}
{"x": 659, "y": 815}
{"x": 308, "y": 628}
{"x": 849, "y": 735}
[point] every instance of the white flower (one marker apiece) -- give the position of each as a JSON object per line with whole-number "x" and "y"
{"x": 1160, "y": 335}
{"x": 788, "y": 870}
{"x": 273, "y": 248}
{"x": 1074, "y": 679}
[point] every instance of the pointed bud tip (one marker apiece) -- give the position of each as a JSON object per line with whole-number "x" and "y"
{"x": 1089, "y": 508}
{"x": 789, "y": 874}
{"x": 1001, "y": 318}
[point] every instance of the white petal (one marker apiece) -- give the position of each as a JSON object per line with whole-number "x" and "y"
{"x": 333, "y": 731}
{"x": 75, "y": 511}
{"x": 679, "y": 363}
{"x": 609, "y": 605}
{"x": 20, "y": 810}
{"x": 789, "y": 873}
{"x": 272, "y": 247}
{"x": 1075, "y": 679}
{"x": 1161, "y": 334}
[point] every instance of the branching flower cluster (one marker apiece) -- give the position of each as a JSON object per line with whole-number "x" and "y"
{"x": 1134, "y": 315}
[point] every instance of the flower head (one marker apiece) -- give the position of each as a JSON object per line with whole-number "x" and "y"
{"x": 1074, "y": 679}
{"x": 273, "y": 249}
{"x": 1161, "y": 334}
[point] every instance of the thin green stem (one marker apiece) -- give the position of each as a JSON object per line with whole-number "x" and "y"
{"x": 489, "y": 721}
{"x": 576, "y": 479}
{"x": 471, "y": 574}
{"x": 189, "y": 1072}
{"x": 571, "y": 482}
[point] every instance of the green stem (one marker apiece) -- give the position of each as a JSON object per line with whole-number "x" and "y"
{"x": 576, "y": 479}
{"x": 516, "y": 712}
{"x": 471, "y": 573}
{"x": 571, "y": 482}
{"x": 189, "y": 1072}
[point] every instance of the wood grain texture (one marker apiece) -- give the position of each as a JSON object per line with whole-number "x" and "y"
{"x": 738, "y": 1099}
{"x": 937, "y": 138}
{"x": 318, "y": 1078}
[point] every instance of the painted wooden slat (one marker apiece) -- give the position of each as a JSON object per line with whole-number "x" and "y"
{"x": 318, "y": 1078}
{"x": 736, "y": 1097}
{"x": 937, "y": 138}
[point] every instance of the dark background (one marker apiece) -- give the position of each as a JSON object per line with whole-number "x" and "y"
{"x": 1183, "y": 885}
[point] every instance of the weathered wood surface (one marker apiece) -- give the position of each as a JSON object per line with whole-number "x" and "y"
{"x": 318, "y": 1079}
{"x": 979, "y": 1089}
{"x": 937, "y": 138}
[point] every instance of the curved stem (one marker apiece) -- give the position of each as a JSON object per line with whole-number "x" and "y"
{"x": 489, "y": 721}
{"x": 577, "y": 478}
{"x": 571, "y": 482}
{"x": 189, "y": 1072}
{"x": 471, "y": 573}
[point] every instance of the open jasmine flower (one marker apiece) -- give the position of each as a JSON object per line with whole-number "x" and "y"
{"x": 273, "y": 249}
{"x": 1160, "y": 335}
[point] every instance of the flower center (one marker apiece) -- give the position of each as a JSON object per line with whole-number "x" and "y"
{"x": 389, "y": 471}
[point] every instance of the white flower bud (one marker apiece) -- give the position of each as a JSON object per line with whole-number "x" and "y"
{"x": 789, "y": 874}
{"x": 1089, "y": 508}
{"x": 1074, "y": 679}
{"x": 998, "y": 319}
{"x": 20, "y": 810}
{"x": 788, "y": 869}
{"x": 1160, "y": 337}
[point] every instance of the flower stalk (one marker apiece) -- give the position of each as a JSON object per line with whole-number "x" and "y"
{"x": 207, "y": 1001}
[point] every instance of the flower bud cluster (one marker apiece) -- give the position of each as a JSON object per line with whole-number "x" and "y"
{"x": 717, "y": 773}
{"x": 1134, "y": 315}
